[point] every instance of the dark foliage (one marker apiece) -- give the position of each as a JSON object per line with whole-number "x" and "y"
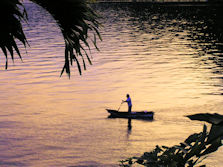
{"x": 74, "y": 18}
{"x": 189, "y": 153}
{"x": 12, "y": 13}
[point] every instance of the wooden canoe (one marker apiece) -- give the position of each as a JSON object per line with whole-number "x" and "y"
{"x": 133, "y": 115}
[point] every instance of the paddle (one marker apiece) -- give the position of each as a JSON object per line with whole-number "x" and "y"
{"x": 120, "y": 106}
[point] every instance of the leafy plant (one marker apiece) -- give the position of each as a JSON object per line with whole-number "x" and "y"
{"x": 74, "y": 18}
{"x": 12, "y": 12}
{"x": 189, "y": 153}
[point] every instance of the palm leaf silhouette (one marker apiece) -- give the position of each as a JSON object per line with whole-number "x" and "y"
{"x": 74, "y": 18}
{"x": 12, "y": 13}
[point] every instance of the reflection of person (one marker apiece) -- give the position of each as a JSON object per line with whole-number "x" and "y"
{"x": 128, "y": 100}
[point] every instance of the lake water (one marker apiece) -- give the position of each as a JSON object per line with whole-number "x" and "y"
{"x": 168, "y": 58}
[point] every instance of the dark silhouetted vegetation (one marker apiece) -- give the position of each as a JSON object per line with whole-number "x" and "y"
{"x": 74, "y": 18}
{"x": 189, "y": 153}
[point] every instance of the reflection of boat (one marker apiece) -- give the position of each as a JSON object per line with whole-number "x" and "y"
{"x": 132, "y": 115}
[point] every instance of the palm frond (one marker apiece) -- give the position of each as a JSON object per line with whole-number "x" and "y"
{"x": 12, "y": 12}
{"x": 75, "y": 19}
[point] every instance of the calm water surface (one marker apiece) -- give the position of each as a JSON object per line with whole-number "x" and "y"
{"x": 169, "y": 59}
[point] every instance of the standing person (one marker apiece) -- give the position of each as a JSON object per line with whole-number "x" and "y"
{"x": 129, "y": 101}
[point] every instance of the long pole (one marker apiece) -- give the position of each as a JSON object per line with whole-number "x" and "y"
{"x": 119, "y": 106}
